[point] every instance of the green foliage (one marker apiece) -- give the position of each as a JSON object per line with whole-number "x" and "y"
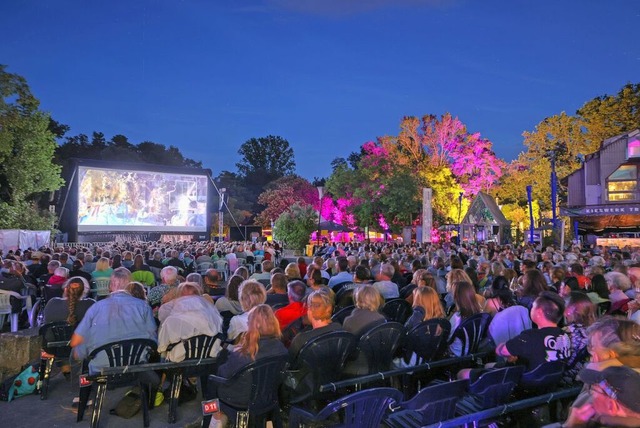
{"x": 295, "y": 225}
{"x": 26, "y": 153}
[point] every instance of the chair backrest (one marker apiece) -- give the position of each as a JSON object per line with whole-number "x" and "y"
{"x": 398, "y": 310}
{"x": 342, "y": 314}
{"x": 197, "y": 347}
{"x": 265, "y": 282}
{"x": 437, "y": 403}
{"x": 58, "y": 331}
{"x": 221, "y": 265}
{"x": 362, "y": 409}
{"x": 545, "y": 377}
{"x": 494, "y": 387}
{"x": 324, "y": 356}
{"x": 145, "y": 277}
{"x": 344, "y": 297}
{"x": 102, "y": 286}
{"x": 427, "y": 340}
{"x": 339, "y": 286}
{"x": 50, "y": 292}
{"x": 471, "y": 331}
{"x": 379, "y": 345}
{"x": 226, "y": 320}
{"x": 265, "y": 376}
{"x": 126, "y": 352}
{"x": 203, "y": 267}
{"x": 5, "y": 304}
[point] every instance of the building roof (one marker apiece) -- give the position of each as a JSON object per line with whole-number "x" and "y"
{"x": 484, "y": 209}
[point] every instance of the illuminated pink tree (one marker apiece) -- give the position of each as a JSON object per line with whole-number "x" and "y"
{"x": 475, "y": 165}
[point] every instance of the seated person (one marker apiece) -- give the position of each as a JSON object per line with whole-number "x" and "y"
{"x": 166, "y": 290}
{"x": 118, "y": 317}
{"x": 365, "y": 315}
{"x": 187, "y": 316}
{"x": 426, "y": 306}
{"x": 296, "y": 308}
{"x": 319, "y": 311}
{"x": 466, "y": 304}
{"x": 252, "y": 294}
{"x": 261, "y": 340}
{"x": 230, "y": 301}
{"x": 277, "y": 294}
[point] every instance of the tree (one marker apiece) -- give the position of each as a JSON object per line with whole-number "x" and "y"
{"x": 609, "y": 115}
{"x": 295, "y": 225}
{"x": 282, "y": 194}
{"x": 26, "y": 153}
{"x": 265, "y": 160}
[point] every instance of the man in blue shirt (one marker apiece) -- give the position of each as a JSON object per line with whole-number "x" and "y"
{"x": 119, "y": 317}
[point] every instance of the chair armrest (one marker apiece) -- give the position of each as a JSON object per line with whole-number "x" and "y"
{"x": 218, "y": 379}
{"x": 298, "y": 414}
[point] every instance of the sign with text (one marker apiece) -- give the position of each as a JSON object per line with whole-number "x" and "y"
{"x": 593, "y": 210}
{"x": 210, "y": 407}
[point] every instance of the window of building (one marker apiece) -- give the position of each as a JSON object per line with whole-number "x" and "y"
{"x": 633, "y": 149}
{"x": 622, "y": 184}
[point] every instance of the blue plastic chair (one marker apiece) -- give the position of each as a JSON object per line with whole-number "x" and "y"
{"x": 491, "y": 389}
{"x": 375, "y": 350}
{"x": 544, "y": 378}
{"x": 430, "y": 405}
{"x": 471, "y": 332}
{"x": 398, "y": 310}
{"x": 360, "y": 409}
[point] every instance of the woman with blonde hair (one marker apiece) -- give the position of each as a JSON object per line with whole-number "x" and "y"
{"x": 365, "y": 315}
{"x": 453, "y": 277}
{"x": 251, "y": 294}
{"x": 103, "y": 269}
{"x": 319, "y": 311}
{"x": 261, "y": 340}
{"x": 292, "y": 272}
{"x": 426, "y": 306}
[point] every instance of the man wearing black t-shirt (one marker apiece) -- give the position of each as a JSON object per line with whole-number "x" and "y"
{"x": 546, "y": 343}
{"x": 535, "y": 346}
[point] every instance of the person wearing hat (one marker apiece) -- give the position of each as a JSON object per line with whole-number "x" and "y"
{"x": 614, "y": 399}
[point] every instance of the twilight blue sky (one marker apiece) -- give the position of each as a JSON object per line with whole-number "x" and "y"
{"x": 327, "y": 75}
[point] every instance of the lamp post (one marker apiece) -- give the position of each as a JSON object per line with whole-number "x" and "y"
{"x": 459, "y": 217}
{"x": 531, "y": 226}
{"x": 272, "y": 234}
{"x": 320, "y": 195}
{"x": 221, "y": 214}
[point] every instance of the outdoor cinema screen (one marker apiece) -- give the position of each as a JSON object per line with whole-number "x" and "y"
{"x": 130, "y": 200}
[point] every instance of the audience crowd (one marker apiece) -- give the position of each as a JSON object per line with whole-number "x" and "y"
{"x": 578, "y": 305}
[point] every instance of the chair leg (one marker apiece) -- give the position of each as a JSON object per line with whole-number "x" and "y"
{"x": 144, "y": 397}
{"x": 97, "y": 406}
{"x": 45, "y": 372}
{"x": 176, "y": 382}
{"x": 14, "y": 323}
{"x": 85, "y": 392}
{"x": 242, "y": 419}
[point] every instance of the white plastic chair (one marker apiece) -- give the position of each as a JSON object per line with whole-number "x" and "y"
{"x": 5, "y": 308}
{"x": 102, "y": 287}
{"x": 223, "y": 268}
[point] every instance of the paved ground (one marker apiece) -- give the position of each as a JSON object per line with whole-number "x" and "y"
{"x": 57, "y": 410}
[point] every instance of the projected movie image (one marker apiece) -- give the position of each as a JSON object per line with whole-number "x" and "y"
{"x": 111, "y": 199}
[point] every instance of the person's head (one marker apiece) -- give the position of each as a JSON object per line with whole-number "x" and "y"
{"x": 361, "y": 274}
{"x": 428, "y": 299}
{"x": 210, "y": 277}
{"x": 233, "y": 285}
{"x": 617, "y": 281}
{"x": 52, "y": 266}
{"x": 77, "y": 265}
{"x": 533, "y": 283}
{"x": 169, "y": 275}
{"x": 464, "y": 296}
{"x": 314, "y": 277}
{"x": 454, "y": 276}
{"x": 343, "y": 264}
{"x": 549, "y": 307}
{"x": 292, "y": 271}
{"x": 386, "y": 271}
{"x": 557, "y": 274}
{"x": 75, "y": 288}
{"x": 137, "y": 290}
{"x": 102, "y": 264}
{"x": 138, "y": 261}
{"x": 189, "y": 289}
{"x": 296, "y": 290}
{"x": 243, "y": 272}
{"x": 62, "y": 272}
{"x": 367, "y": 297}
{"x": 320, "y": 306}
{"x": 267, "y": 265}
{"x": 261, "y": 323}
{"x": 580, "y": 310}
{"x": 614, "y": 391}
{"x": 251, "y": 293}
{"x": 577, "y": 269}
{"x": 120, "y": 278}
{"x": 427, "y": 280}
